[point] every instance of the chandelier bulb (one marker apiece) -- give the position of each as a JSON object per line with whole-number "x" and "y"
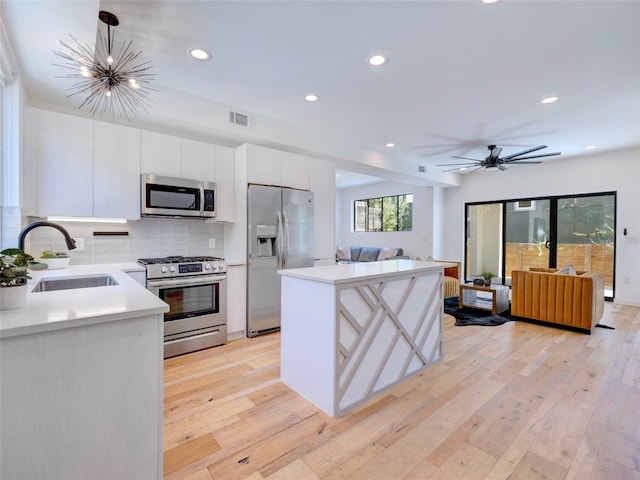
{"x": 109, "y": 59}
{"x": 108, "y": 93}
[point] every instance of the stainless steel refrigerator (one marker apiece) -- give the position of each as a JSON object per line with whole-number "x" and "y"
{"x": 280, "y": 235}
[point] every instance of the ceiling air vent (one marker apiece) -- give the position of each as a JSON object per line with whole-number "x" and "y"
{"x": 238, "y": 118}
{"x": 422, "y": 169}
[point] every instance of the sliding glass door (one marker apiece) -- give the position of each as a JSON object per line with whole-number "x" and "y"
{"x": 527, "y": 235}
{"x": 548, "y": 232}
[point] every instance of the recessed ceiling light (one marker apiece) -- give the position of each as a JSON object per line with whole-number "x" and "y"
{"x": 390, "y": 145}
{"x": 549, "y": 99}
{"x": 377, "y": 60}
{"x": 200, "y": 54}
{"x": 311, "y": 98}
{"x": 590, "y": 147}
{"x": 489, "y": 2}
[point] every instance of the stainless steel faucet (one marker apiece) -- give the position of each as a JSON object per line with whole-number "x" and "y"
{"x": 71, "y": 243}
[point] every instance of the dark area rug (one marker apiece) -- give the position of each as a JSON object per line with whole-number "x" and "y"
{"x": 469, "y": 316}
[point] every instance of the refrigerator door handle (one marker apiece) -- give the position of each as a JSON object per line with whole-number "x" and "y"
{"x": 279, "y": 242}
{"x": 285, "y": 243}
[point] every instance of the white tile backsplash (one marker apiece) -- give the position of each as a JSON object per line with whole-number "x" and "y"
{"x": 147, "y": 238}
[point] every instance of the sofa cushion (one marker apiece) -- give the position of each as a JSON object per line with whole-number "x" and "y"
{"x": 343, "y": 253}
{"x": 567, "y": 270}
{"x": 355, "y": 253}
{"x": 387, "y": 252}
{"x": 368, "y": 254}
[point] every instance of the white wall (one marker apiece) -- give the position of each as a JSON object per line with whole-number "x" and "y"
{"x": 417, "y": 243}
{"x": 617, "y": 171}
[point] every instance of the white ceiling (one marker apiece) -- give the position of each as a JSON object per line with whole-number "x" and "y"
{"x": 461, "y": 75}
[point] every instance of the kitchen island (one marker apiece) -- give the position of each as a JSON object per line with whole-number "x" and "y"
{"x": 348, "y": 332}
{"x": 81, "y": 377}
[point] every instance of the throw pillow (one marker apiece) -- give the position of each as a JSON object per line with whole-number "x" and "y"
{"x": 567, "y": 270}
{"x": 387, "y": 252}
{"x": 343, "y": 253}
{"x": 368, "y": 254}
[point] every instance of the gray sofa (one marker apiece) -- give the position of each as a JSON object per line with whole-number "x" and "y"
{"x": 355, "y": 254}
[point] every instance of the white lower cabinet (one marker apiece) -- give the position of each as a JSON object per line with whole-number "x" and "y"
{"x": 83, "y": 402}
{"x": 236, "y": 301}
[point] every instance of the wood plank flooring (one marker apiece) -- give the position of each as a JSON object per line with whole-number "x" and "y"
{"x": 516, "y": 401}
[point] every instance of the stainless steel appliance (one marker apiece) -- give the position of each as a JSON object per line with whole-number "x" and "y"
{"x": 176, "y": 197}
{"x": 280, "y": 235}
{"x": 196, "y": 291}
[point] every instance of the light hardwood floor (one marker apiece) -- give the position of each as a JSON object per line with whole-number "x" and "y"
{"x": 517, "y": 401}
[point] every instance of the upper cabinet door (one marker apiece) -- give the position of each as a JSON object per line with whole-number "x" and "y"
{"x": 197, "y": 160}
{"x": 263, "y": 165}
{"x": 64, "y": 152}
{"x": 116, "y": 171}
{"x": 294, "y": 171}
{"x": 159, "y": 154}
{"x": 225, "y": 179}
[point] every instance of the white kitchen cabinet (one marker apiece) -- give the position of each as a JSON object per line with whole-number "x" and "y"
{"x": 268, "y": 166}
{"x": 64, "y": 158}
{"x": 29, "y": 179}
{"x": 116, "y": 171}
{"x": 197, "y": 160}
{"x": 225, "y": 179}
{"x": 159, "y": 154}
{"x": 83, "y": 402}
{"x": 294, "y": 171}
{"x": 323, "y": 185}
{"x": 263, "y": 165}
{"x": 236, "y": 301}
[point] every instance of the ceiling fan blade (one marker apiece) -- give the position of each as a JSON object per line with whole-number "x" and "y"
{"x": 452, "y": 164}
{"x": 475, "y": 169}
{"x": 466, "y": 158}
{"x": 524, "y": 152}
{"x": 495, "y": 153}
{"x": 453, "y": 169}
{"x": 533, "y": 156}
{"x": 516, "y": 162}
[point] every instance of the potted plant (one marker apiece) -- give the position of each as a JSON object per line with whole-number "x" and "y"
{"x": 487, "y": 278}
{"x": 13, "y": 278}
{"x": 55, "y": 260}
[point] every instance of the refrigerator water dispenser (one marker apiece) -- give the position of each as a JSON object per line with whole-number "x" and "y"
{"x": 266, "y": 236}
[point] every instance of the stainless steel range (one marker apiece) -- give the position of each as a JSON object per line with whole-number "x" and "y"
{"x": 196, "y": 291}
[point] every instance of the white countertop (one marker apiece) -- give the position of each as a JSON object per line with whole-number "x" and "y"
{"x": 59, "y": 309}
{"x": 343, "y": 273}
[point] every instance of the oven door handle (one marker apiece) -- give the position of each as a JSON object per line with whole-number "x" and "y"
{"x": 181, "y": 282}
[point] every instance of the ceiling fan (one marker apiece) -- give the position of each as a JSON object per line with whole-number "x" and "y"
{"x": 494, "y": 160}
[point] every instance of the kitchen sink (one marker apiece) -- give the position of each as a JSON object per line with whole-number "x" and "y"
{"x": 67, "y": 283}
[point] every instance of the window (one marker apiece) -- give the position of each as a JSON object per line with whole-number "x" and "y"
{"x": 384, "y": 214}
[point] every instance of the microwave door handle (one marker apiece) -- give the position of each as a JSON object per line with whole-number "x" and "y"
{"x": 201, "y": 200}
{"x": 279, "y": 240}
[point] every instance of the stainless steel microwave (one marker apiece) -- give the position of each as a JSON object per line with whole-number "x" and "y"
{"x": 177, "y": 197}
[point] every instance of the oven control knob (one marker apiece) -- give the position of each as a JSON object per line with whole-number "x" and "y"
{"x": 222, "y": 265}
{"x": 172, "y": 269}
{"x": 163, "y": 269}
{"x": 207, "y": 266}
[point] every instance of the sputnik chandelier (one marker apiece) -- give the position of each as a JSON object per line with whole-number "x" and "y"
{"x": 110, "y": 81}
